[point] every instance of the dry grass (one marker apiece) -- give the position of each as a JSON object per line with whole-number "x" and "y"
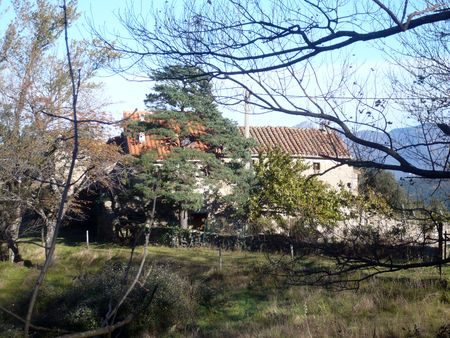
{"x": 382, "y": 308}
{"x": 238, "y": 302}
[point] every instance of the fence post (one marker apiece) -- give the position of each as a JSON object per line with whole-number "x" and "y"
{"x": 87, "y": 239}
{"x": 220, "y": 258}
{"x": 440, "y": 227}
{"x": 445, "y": 244}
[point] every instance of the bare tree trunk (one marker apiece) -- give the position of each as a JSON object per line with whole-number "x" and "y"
{"x": 13, "y": 235}
{"x": 183, "y": 219}
{"x": 50, "y": 227}
{"x": 13, "y": 251}
{"x": 68, "y": 182}
{"x": 49, "y": 233}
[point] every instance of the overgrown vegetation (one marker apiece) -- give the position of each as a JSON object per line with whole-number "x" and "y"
{"x": 196, "y": 298}
{"x": 47, "y": 160}
{"x": 384, "y": 184}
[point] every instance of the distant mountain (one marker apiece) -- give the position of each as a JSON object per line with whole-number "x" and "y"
{"x": 428, "y": 190}
{"x": 307, "y": 124}
{"x": 409, "y": 142}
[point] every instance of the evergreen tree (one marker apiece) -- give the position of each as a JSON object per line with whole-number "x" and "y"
{"x": 186, "y": 122}
{"x": 384, "y": 184}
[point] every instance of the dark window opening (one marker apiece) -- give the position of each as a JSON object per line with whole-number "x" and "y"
{"x": 316, "y": 167}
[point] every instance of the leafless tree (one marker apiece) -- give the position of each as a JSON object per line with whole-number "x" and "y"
{"x": 35, "y": 124}
{"x": 49, "y": 128}
{"x": 68, "y": 183}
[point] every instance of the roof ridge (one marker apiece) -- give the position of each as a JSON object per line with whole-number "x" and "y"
{"x": 286, "y": 127}
{"x": 299, "y": 141}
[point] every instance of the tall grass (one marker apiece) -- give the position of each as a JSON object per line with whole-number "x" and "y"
{"x": 239, "y": 301}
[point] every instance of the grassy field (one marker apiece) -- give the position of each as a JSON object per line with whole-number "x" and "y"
{"x": 238, "y": 301}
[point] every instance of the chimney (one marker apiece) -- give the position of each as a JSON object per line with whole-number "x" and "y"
{"x": 247, "y": 115}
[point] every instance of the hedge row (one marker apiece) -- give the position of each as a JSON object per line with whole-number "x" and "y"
{"x": 278, "y": 243}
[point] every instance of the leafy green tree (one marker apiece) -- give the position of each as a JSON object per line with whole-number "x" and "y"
{"x": 192, "y": 174}
{"x": 283, "y": 191}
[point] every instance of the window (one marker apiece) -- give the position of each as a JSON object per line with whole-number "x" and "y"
{"x": 141, "y": 138}
{"x": 316, "y": 167}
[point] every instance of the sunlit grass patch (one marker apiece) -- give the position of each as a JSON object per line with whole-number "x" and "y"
{"x": 15, "y": 281}
{"x": 238, "y": 299}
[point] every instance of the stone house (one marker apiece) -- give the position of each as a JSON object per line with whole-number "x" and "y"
{"x": 317, "y": 147}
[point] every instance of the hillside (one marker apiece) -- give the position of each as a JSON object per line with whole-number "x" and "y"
{"x": 417, "y": 154}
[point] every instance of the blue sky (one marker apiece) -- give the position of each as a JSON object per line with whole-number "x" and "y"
{"x": 126, "y": 95}
{"x": 129, "y": 95}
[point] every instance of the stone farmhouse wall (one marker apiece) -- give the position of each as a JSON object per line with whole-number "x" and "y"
{"x": 336, "y": 176}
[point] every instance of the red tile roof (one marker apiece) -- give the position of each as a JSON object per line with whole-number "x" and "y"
{"x": 299, "y": 141}
{"x": 163, "y": 146}
{"x": 295, "y": 141}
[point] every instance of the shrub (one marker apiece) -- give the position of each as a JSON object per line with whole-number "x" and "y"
{"x": 7, "y": 329}
{"x": 163, "y": 300}
{"x": 173, "y": 303}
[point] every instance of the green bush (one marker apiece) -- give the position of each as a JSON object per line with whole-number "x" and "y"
{"x": 162, "y": 301}
{"x": 173, "y": 303}
{"x": 7, "y": 329}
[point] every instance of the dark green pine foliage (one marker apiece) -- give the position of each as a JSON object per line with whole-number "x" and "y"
{"x": 383, "y": 183}
{"x": 193, "y": 174}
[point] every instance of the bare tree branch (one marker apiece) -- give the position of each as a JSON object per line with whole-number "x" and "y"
{"x": 51, "y": 249}
{"x": 100, "y": 331}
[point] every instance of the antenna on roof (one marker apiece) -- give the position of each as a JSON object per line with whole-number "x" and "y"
{"x": 246, "y": 115}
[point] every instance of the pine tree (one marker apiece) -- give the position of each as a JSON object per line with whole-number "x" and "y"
{"x": 197, "y": 138}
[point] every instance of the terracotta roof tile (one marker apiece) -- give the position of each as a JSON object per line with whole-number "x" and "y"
{"x": 295, "y": 141}
{"x": 163, "y": 146}
{"x": 299, "y": 141}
